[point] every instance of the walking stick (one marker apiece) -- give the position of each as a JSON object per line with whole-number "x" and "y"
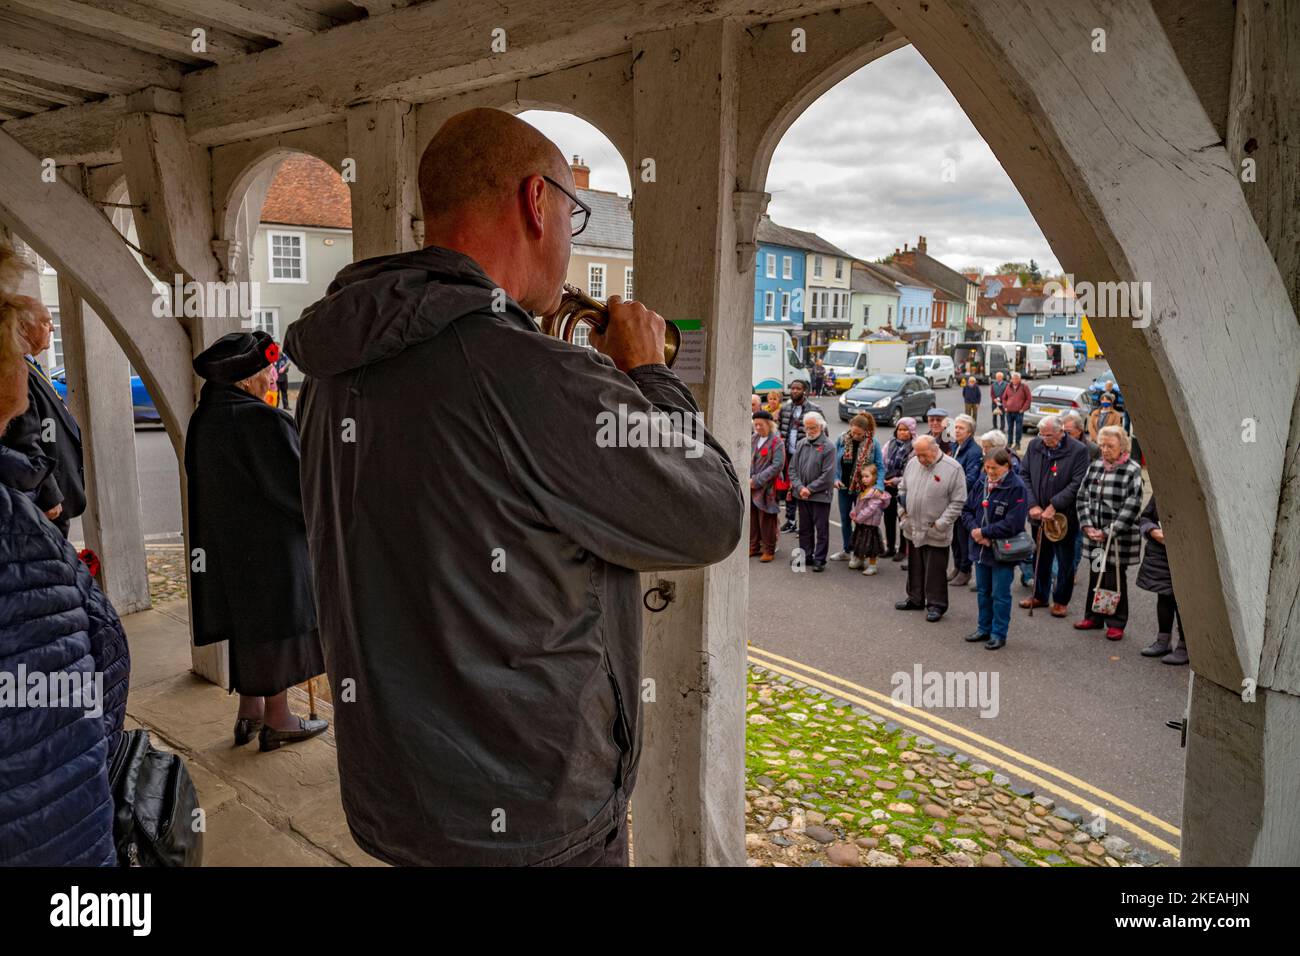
{"x": 1038, "y": 543}
{"x": 311, "y": 697}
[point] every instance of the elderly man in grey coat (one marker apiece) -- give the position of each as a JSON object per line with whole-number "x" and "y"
{"x": 933, "y": 493}
{"x": 812, "y": 482}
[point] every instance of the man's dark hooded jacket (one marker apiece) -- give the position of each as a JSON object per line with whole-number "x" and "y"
{"x": 65, "y": 483}
{"x": 476, "y": 556}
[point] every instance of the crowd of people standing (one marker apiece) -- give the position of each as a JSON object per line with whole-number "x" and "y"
{"x": 960, "y": 508}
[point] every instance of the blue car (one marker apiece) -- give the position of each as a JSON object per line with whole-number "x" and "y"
{"x": 142, "y": 406}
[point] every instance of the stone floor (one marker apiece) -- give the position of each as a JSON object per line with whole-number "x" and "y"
{"x": 262, "y": 809}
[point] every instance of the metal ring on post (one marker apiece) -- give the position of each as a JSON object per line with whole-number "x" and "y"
{"x": 666, "y": 590}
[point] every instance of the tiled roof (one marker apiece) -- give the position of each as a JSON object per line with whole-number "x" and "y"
{"x": 864, "y": 279}
{"x": 610, "y": 226}
{"x": 770, "y": 232}
{"x": 306, "y": 191}
{"x": 896, "y": 274}
{"x": 991, "y": 308}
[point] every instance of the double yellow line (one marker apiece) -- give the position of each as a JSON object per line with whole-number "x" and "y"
{"x": 989, "y": 751}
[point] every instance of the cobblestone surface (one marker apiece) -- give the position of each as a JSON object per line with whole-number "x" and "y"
{"x": 828, "y": 783}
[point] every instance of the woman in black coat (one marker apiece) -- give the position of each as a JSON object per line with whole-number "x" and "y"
{"x": 250, "y": 579}
{"x": 1154, "y": 575}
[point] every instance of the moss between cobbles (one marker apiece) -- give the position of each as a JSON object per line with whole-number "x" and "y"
{"x": 828, "y": 758}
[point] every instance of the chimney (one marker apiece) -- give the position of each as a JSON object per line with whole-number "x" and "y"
{"x": 581, "y": 173}
{"x": 920, "y": 245}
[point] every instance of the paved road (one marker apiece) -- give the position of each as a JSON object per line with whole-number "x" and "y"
{"x": 1072, "y": 700}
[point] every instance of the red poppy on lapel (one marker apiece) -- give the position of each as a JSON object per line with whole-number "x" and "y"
{"x": 272, "y": 353}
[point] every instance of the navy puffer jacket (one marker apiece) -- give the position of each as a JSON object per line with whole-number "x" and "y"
{"x": 55, "y": 806}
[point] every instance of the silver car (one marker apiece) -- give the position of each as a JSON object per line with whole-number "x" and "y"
{"x": 1056, "y": 400}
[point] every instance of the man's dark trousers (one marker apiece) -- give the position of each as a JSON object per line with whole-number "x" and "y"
{"x": 1063, "y": 553}
{"x": 814, "y": 526}
{"x": 961, "y": 546}
{"x": 927, "y": 576}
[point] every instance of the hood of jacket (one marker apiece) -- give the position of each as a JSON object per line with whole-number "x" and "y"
{"x": 376, "y": 308}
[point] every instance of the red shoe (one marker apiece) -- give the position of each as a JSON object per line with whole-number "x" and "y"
{"x": 1087, "y": 624}
{"x": 1114, "y": 633}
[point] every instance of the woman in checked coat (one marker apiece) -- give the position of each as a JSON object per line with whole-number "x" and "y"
{"x": 1110, "y": 502}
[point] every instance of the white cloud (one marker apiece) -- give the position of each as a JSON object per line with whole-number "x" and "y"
{"x": 863, "y": 167}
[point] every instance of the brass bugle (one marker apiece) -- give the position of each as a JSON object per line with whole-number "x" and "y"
{"x": 578, "y": 307}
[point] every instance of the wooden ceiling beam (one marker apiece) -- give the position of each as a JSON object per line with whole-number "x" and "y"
{"x": 42, "y": 89}
{"x": 30, "y": 47}
{"x": 278, "y": 20}
{"x": 139, "y": 25}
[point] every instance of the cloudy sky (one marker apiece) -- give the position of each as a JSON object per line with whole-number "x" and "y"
{"x": 864, "y": 167}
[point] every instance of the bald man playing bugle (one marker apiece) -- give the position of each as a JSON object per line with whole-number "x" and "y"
{"x": 475, "y": 537}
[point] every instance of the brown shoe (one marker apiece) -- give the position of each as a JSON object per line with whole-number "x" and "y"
{"x": 753, "y": 552}
{"x": 1059, "y": 610}
{"x": 766, "y": 558}
{"x": 1032, "y": 602}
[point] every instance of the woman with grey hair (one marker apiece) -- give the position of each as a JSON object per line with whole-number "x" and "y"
{"x": 812, "y": 480}
{"x": 1110, "y": 505}
{"x": 970, "y": 456}
{"x": 991, "y": 441}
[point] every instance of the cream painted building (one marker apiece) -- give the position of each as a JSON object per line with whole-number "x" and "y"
{"x": 601, "y": 260}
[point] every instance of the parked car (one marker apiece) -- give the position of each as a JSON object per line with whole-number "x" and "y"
{"x": 1099, "y": 385}
{"x": 888, "y": 398}
{"x": 1054, "y": 400}
{"x": 938, "y": 370}
{"x": 142, "y": 407}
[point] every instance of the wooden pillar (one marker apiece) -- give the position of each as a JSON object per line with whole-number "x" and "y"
{"x": 385, "y": 202}
{"x": 170, "y": 178}
{"x": 688, "y": 807}
{"x": 99, "y": 395}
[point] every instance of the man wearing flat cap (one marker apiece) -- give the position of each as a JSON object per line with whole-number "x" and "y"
{"x": 250, "y": 579}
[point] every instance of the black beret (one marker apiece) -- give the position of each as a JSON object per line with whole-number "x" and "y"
{"x": 235, "y": 356}
{"x": 763, "y": 414}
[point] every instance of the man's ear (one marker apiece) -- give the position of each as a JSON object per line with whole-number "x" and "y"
{"x": 534, "y": 198}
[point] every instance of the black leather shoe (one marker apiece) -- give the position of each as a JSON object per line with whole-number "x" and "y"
{"x": 994, "y": 643}
{"x": 976, "y": 636}
{"x": 933, "y": 615}
{"x": 246, "y": 729}
{"x": 898, "y": 556}
{"x": 272, "y": 739}
{"x": 819, "y": 566}
{"x": 908, "y": 606}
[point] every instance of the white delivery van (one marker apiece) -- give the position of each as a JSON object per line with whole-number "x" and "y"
{"x": 776, "y": 363}
{"x": 982, "y": 359}
{"x": 1063, "y": 358}
{"x": 1030, "y": 360}
{"x": 1037, "y": 362}
{"x": 849, "y": 362}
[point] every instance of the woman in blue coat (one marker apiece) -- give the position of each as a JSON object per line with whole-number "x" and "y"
{"x": 55, "y": 624}
{"x": 995, "y": 512}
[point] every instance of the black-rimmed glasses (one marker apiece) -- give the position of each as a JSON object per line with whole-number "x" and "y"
{"x": 579, "y": 215}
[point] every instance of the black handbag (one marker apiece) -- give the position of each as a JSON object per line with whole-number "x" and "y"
{"x": 1015, "y": 549}
{"x": 154, "y": 804}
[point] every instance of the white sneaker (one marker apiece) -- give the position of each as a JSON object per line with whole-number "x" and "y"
{"x": 840, "y": 556}
{"x": 871, "y": 569}
{"x": 855, "y": 563}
